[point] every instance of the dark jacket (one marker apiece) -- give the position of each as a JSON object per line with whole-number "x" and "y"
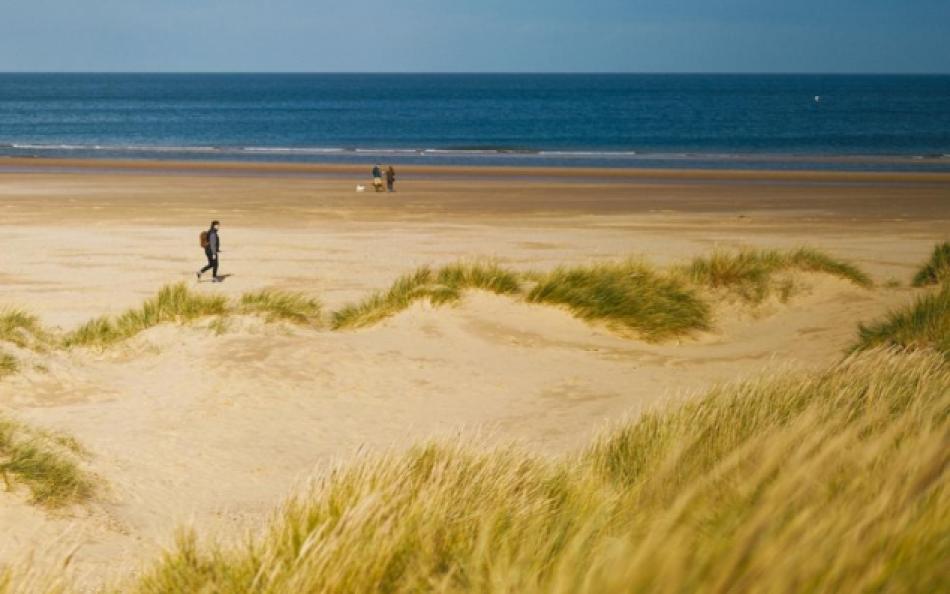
{"x": 214, "y": 241}
{"x": 376, "y": 172}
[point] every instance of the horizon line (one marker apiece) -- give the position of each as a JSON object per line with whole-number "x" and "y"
{"x": 489, "y": 72}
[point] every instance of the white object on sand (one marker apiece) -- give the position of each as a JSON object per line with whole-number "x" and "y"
{"x": 360, "y": 188}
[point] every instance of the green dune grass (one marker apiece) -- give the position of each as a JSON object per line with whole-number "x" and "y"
{"x": 937, "y": 269}
{"x": 22, "y": 329}
{"x": 923, "y": 324}
{"x": 444, "y": 285}
{"x": 8, "y": 364}
{"x": 628, "y": 296}
{"x": 753, "y": 275}
{"x": 286, "y": 306}
{"x": 820, "y": 482}
{"x": 47, "y": 463}
{"x": 173, "y": 303}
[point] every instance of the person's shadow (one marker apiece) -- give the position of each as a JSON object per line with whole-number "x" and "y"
{"x": 222, "y": 278}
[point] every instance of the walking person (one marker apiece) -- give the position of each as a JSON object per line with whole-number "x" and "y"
{"x": 377, "y": 178}
{"x": 211, "y": 242}
{"x": 390, "y": 179}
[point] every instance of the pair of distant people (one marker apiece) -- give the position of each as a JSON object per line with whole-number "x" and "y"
{"x": 378, "y": 178}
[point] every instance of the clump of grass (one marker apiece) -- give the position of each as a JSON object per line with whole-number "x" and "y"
{"x": 811, "y": 260}
{"x": 22, "y": 329}
{"x": 8, "y": 364}
{"x": 173, "y": 303}
{"x": 281, "y": 306}
{"x": 937, "y": 269}
{"x": 818, "y": 482}
{"x": 442, "y": 286}
{"x": 47, "y": 463}
{"x": 924, "y": 324}
{"x": 628, "y": 296}
{"x": 751, "y": 274}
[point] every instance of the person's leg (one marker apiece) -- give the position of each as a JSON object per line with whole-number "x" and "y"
{"x": 215, "y": 267}
{"x": 212, "y": 262}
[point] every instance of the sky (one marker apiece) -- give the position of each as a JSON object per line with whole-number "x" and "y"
{"x": 886, "y": 36}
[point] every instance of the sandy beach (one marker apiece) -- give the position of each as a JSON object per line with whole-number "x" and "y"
{"x": 188, "y": 426}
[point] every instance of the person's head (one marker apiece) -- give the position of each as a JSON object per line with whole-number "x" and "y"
{"x": 215, "y": 224}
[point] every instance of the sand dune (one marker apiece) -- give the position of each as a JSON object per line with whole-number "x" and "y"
{"x": 186, "y": 425}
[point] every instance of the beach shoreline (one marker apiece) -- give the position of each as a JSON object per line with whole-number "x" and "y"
{"x": 111, "y": 165}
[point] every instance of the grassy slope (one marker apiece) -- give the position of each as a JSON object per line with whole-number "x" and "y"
{"x": 444, "y": 285}
{"x": 281, "y": 305}
{"x": 753, "y": 275}
{"x": 173, "y": 303}
{"x": 47, "y": 463}
{"x": 628, "y": 296}
{"x": 924, "y": 324}
{"x": 821, "y": 482}
{"x": 177, "y": 303}
{"x": 937, "y": 269}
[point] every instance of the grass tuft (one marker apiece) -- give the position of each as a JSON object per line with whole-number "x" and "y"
{"x": 173, "y": 303}
{"x": 22, "y": 329}
{"x": 818, "y": 482}
{"x": 628, "y": 296}
{"x": 8, "y": 364}
{"x": 282, "y": 306}
{"x": 751, "y": 274}
{"x": 924, "y": 324}
{"x": 47, "y": 463}
{"x": 444, "y": 285}
{"x": 937, "y": 269}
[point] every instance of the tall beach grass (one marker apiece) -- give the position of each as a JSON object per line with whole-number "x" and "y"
{"x": 22, "y": 329}
{"x": 286, "y": 306}
{"x": 795, "y": 482}
{"x": 754, "y": 275}
{"x": 173, "y": 303}
{"x": 937, "y": 269}
{"x": 628, "y": 296}
{"x": 925, "y": 324}
{"x": 444, "y": 285}
{"x": 46, "y": 463}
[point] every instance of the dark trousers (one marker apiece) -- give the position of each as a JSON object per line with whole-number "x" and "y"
{"x": 212, "y": 262}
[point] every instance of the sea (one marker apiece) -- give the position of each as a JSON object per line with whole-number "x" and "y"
{"x": 838, "y": 122}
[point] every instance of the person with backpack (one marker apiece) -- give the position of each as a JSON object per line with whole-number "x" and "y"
{"x": 211, "y": 242}
{"x": 377, "y": 178}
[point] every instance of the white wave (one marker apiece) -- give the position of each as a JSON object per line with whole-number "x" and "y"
{"x": 291, "y": 150}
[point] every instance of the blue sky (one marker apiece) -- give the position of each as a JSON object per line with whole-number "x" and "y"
{"x": 476, "y": 35}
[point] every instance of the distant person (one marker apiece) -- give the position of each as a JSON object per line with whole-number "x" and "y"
{"x": 211, "y": 242}
{"x": 377, "y": 178}
{"x": 390, "y": 179}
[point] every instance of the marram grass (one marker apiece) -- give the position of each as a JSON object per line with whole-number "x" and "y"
{"x": 177, "y": 303}
{"x": 46, "y": 463}
{"x": 173, "y": 303}
{"x": 753, "y": 275}
{"x": 823, "y": 482}
{"x": 629, "y": 296}
{"x": 925, "y": 324}
{"x": 937, "y": 269}
{"x": 21, "y": 329}
{"x": 444, "y": 285}
{"x": 8, "y": 364}
{"x": 286, "y": 306}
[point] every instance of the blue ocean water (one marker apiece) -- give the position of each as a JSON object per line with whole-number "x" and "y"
{"x": 767, "y": 121}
